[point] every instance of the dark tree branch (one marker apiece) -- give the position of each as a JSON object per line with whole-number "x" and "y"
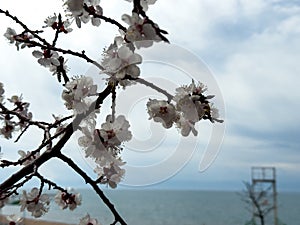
{"x": 69, "y": 130}
{"x": 39, "y": 124}
{"x": 57, "y": 31}
{"x": 50, "y": 183}
{"x": 94, "y": 185}
{"x": 23, "y": 131}
{"x": 33, "y": 33}
{"x": 106, "y": 19}
{"x": 46, "y": 45}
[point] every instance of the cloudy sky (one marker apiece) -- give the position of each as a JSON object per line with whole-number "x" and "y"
{"x": 247, "y": 53}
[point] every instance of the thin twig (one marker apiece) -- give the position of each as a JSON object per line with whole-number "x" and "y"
{"x": 50, "y": 183}
{"x": 33, "y": 33}
{"x": 23, "y": 131}
{"x": 153, "y": 86}
{"x": 106, "y": 19}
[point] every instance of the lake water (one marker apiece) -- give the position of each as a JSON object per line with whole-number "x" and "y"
{"x": 162, "y": 207}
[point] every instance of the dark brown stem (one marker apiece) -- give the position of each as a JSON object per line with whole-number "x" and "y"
{"x": 64, "y": 51}
{"x": 106, "y": 19}
{"x": 58, "y": 122}
{"x": 57, "y": 30}
{"x": 94, "y": 185}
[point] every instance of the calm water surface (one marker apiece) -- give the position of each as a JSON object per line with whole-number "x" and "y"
{"x": 157, "y": 207}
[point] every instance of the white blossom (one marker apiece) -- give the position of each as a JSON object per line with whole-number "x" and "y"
{"x": 146, "y": 3}
{"x": 87, "y": 220}
{"x": 35, "y": 203}
{"x": 141, "y": 32}
{"x": 52, "y": 21}
{"x": 10, "y": 34}
{"x": 7, "y": 129}
{"x": 162, "y": 111}
{"x": 112, "y": 173}
{"x": 18, "y": 39}
{"x": 47, "y": 57}
{"x": 214, "y": 112}
{"x": 191, "y": 106}
{"x": 14, "y": 219}
{"x": 77, "y": 93}
{"x": 115, "y": 132}
{"x": 77, "y": 11}
{"x": 67, "y": 200}
{"x": 21, "y": 109}
{"x": 104, "y": 145}
{"x": 186, "y": 127}
{"x": 191, "y": 101}
{"x": 89, "y": 142}
{"x": 9, "y": 123}
{"x": 28, "y": 156}
{"x": 121, "y": 61}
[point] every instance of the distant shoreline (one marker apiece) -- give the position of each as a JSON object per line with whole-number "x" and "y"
{"x": 27, "y": 221}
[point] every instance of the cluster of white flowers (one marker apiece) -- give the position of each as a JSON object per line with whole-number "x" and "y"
{"x": 161, "y": 111}
{"x": 21, "y": 107}
{"x": 144, "y": 3}
{"x": 87, "y": 220}
{"x": 34, "y": 202}
{"x": 47, "y": 58}
{"x": 52, "y": 21}
{"x": 7, "y": 129}
{"x": 11, "y": 125}
{"x": 28, "y": 156}
{"x": 67, "y": 200}
{"x": 17, "y": 39}
{"x": 120, "y": 60}
{"x": 104, "y": 145}
{"x": 76, "y": 10}
{"x": 77, "y": 94}
{"x": 191, "y": 106}
{"x": 140, "y": 31}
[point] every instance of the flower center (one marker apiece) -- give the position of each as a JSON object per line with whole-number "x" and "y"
{"x": 163, "y": 110}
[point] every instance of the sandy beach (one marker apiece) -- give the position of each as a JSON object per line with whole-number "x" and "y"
{"x": 32, "y": 222}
